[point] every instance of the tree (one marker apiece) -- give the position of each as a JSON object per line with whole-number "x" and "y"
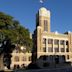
{"x": 5, "y": 21}
{"x": 8, "y": 47}
{"x": 14, "y": 31}
{"x": 11, "y": 33}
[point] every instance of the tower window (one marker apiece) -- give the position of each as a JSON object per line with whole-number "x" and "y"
{"x": 45, "y": 25}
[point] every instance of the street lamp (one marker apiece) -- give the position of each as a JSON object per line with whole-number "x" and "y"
{"x": 23, "y": 48}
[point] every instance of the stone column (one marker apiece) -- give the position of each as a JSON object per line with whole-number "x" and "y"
{"x": 59, "y": 46}
{"x": 65, "y": 46}
{"x": 46, "y": 45}
{"x": 53, "y": 46}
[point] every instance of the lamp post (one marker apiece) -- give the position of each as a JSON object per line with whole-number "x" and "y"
{"x": 23, "y": 48}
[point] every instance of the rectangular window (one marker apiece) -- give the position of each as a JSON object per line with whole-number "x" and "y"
{"x": 50, "y": 49}
{"x": 62, "y": 50}
{"x": 50, "y": 41}
{"x": 44, "y": 40}
{"x": 23, "y": 58}
{"x": 44, "y": 49}
{"x": 67, "y": 56}
{"x": 56, "y": 41}
{"x": 66, "y": 42}
{"x": 62, "y": 42}
{"x": 45, "y": 25}
{"x": 67, "y": 50}
{"x": 56, "y": 49}
{"x": 30, "y": 58}
{"x": 16, "y": 58}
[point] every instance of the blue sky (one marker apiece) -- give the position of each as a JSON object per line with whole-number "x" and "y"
{"x": 25, "y": 11}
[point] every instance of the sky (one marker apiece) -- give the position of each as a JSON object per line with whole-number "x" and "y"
{"x": 25, "y": 12}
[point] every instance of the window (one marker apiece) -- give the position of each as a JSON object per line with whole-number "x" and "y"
{"x": 67, "y": 50}
{"x": 56, "y": 41}
{"x": 62, "y": 42}
{"x": 16, "y": 58}
{"x": 62, "y": 50}
{"x": 50, "y": 49}
{"x": 67, "y": 56}
{"x": 45, "y": 25}
{"x": 23, "y": 58}
{"x": 30, "y": 58}
{"x": 66, "y": 42}
{"x": 44, "y": 49}
{"x": 56, "y": 49}
{"x": 44, "y": 40}
{"x": 50, "y": 41}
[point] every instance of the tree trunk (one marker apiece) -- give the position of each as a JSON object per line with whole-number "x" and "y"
{"x": 1, "y": 62}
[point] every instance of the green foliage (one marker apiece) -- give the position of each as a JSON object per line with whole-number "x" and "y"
{"x": 5, "y": 20}
{"x": 12, "y": 29}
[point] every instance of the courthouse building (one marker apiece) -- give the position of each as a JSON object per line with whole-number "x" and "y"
{"x": 52, "y": 45}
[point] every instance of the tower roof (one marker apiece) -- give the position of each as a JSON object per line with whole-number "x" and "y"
{"x": 44, "y": 12}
